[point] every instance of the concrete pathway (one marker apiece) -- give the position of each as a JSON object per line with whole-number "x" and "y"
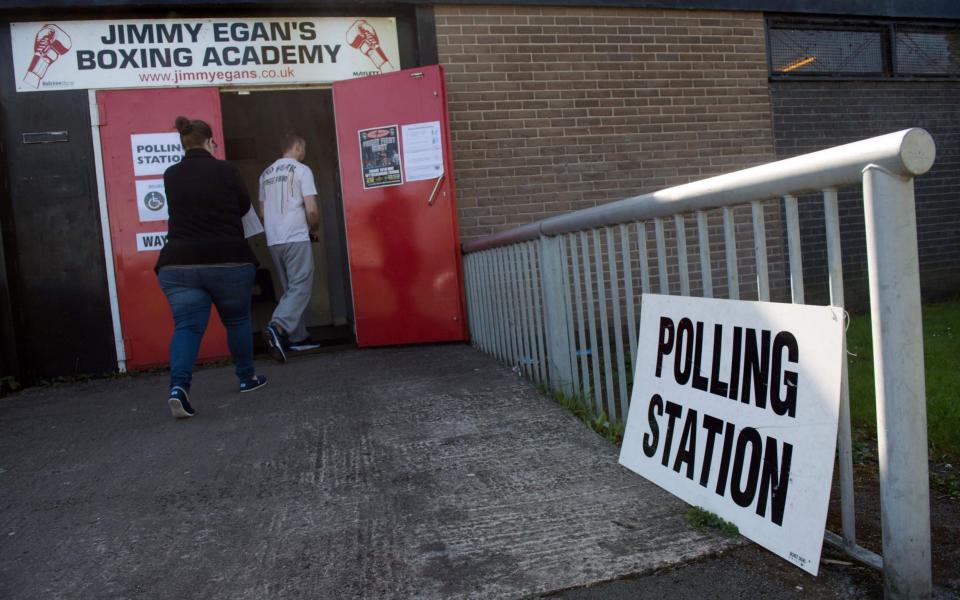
{"x": 423, "y": 472}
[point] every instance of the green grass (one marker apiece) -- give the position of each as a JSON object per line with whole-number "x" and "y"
{"x": 702, "y": 520}
{"x": 941, "y": 343}
{"x": 611, "y": 431}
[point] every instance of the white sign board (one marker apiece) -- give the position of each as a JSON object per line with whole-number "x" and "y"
{"x": 150, "y": 242}
{"x": 153, "y": 153}
{"x": 422, "y": 151}
{"x": 151, "y": 200}
{"x": 112, "y": 53}
{"x": 734, "y": 409}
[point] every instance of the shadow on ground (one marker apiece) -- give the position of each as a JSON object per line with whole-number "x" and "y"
{"x": 428, "y": 472}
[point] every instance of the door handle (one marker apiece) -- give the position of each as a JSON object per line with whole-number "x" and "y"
{"x": 433, "y": 194}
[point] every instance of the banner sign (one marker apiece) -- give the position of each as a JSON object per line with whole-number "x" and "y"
{"x": 734, "y": 409}
{"x": 106, "y": 54}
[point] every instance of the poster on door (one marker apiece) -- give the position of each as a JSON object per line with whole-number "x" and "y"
{"x": 153, "y": 241}
{"x": 380, "y": 157}
{"x": 151, "y": 200}
{"x": 422, "y": 151}
{"x": 154, "y": 153}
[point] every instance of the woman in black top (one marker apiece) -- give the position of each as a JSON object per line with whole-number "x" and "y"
{"x": 206, "y": 261}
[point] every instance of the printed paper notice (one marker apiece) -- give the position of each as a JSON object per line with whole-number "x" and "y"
{"x": 422, "y": 151}
{"x": 380, "y": 157}
{"x": 151, "y": 200}
{"x": 153, "y": 153}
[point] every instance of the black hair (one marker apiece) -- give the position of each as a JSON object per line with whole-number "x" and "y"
{"x": 193, "y": 133}
{"x": 290, "y": 139}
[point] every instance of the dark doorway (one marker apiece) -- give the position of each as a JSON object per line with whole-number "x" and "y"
{"x": 254, "y": 123}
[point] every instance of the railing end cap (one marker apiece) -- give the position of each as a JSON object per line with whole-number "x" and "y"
{"x": 917, "y": 151}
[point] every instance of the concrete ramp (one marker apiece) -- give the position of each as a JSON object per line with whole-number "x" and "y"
{"x": 425, "y": 472}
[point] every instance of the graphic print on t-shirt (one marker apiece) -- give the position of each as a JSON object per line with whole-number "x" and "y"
{"x": 282, "y": 188}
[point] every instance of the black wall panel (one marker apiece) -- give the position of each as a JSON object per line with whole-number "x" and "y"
{"x": 810, "y": 116}
{"x": 52, "y": 233}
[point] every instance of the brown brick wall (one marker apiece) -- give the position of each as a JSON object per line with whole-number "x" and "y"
{"x": 556, "y": 109}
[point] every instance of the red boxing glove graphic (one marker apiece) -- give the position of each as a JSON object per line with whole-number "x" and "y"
{"x": 363, "y": 37}
{"x": 50, "y": 44}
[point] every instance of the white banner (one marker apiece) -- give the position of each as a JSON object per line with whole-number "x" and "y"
{"x": 106, "y": 54}
{"x": 734, "y": 409}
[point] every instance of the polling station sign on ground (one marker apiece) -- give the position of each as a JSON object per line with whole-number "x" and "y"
{"x": 734, "y": 409}
{"x": 116, "y": 53}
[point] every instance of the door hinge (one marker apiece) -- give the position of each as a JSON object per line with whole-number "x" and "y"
{"x": 101, "y": 115}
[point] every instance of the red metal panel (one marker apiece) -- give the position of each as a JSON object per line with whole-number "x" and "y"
{"x": 144, "y": 313}
{"x": 404, "y": 252}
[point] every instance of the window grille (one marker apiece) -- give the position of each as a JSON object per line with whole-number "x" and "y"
{"x": 928, "y": 52}
{"x": 867, "y": 49}
{"x": 826, "y": 51}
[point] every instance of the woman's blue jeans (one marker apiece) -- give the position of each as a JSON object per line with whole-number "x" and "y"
{"x": 190, "y": 292}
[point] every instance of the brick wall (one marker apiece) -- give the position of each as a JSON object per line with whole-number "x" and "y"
{"x": 556, "y": 109}
{"x": 810, "y": 116}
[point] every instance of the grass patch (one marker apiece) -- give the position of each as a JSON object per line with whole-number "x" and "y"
{"x": 611, "y": 431}
{"x": 704, "y": 520}
{"x": 941, "y": 345}
{"x": 948, "y": 485}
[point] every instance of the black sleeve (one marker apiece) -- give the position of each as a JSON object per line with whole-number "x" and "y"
{"x": 243, "y": 197}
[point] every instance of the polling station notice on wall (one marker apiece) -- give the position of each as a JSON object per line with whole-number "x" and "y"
{"x": 112, "y": 53}
{"x": 734, "y": 409}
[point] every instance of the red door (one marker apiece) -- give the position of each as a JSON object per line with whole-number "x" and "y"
{"x": 398, "y": 197}
{"x": 139, "y": 143}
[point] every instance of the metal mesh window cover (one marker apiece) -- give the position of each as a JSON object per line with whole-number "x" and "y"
{"x": 825, "y": 52}
{"x": 928, "y": 52}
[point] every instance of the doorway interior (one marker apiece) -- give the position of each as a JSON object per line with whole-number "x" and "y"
{"x": 254, "y": 123}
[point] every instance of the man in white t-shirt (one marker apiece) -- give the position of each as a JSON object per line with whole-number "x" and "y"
{"x": 288, "y": 204}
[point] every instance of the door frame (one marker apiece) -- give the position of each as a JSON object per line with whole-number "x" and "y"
{"x": 107, "y": 240}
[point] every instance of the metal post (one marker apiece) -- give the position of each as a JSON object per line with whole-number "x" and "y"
{"x": 792, "y": 209}
{"x": 730, "y": 248}
{"x": 681, "y": 229}
{"x": 706, "y": 268}
{"x": 760, "y": 250}
{"x": 559, "y": 364}
{"x": 892, "y": 264}
{"x": 831, "y": 215}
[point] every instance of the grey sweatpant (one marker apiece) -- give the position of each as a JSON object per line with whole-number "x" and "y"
{"x": 294, "y": 262}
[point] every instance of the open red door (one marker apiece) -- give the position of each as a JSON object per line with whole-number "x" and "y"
{"x": 398, "y": 197}
{"x": 139, "y": 143}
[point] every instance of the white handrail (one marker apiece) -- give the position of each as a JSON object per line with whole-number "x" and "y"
{"x": 906, "y": 153}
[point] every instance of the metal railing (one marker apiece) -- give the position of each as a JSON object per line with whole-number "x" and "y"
{"x": 550, "y": 298}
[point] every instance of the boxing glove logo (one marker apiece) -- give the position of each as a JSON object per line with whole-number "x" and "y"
{"x": 363, "y": 37}
{"x": 49, "y": 45}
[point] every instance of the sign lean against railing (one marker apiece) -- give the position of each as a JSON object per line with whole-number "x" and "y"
{"x": 541, "y": 297}
{"x": 735, "y": 407}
